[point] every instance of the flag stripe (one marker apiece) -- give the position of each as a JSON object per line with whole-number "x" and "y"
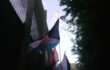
{"x": 49, "y": 46}
{"x": 46, "y": 47}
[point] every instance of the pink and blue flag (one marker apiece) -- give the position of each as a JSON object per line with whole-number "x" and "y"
{"x": 47, "y": 42}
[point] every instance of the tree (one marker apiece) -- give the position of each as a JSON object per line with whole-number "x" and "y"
{"x": 92, "y": 30}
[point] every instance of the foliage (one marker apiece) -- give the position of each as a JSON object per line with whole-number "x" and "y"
{"x": 92, "y": 31}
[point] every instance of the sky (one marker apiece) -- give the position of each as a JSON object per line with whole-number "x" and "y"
{"x": 54, "y": 11}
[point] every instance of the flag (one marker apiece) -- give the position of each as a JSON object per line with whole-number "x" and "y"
{"x": 47, "y": 42}
{"x": 64, "y": 65}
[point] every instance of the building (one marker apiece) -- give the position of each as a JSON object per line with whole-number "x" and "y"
{"x": 13, "y": 31}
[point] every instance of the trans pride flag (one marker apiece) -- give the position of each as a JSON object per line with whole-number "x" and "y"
{"x": 47, "y": 42}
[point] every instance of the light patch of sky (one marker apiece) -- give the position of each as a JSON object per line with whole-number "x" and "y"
{"x": 54, "y": 11}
